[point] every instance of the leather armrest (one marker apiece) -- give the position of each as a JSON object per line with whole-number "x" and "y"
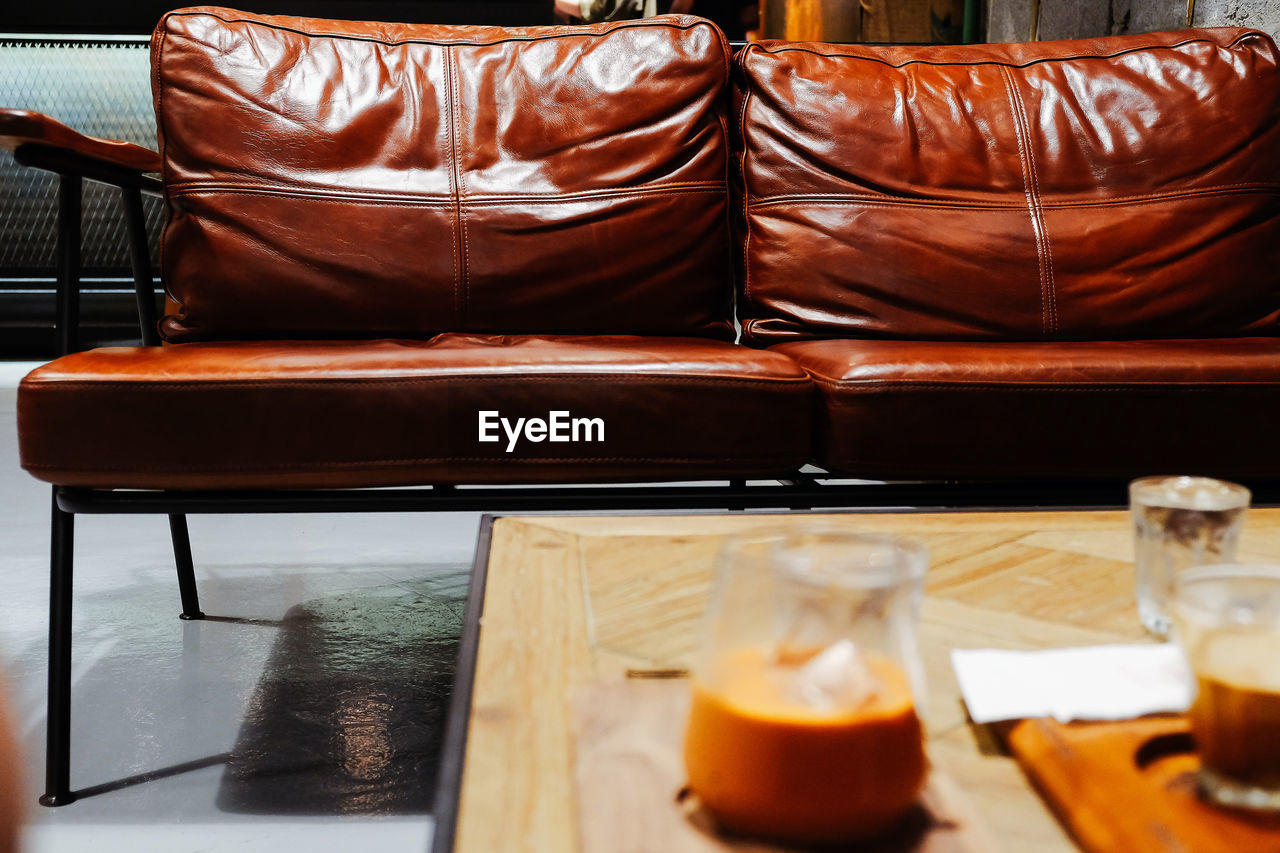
{"x": 23, "y": 127}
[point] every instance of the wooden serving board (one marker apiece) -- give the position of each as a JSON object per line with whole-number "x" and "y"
{"x": 1129, "y": 787}
{"x": 629, "y": 776}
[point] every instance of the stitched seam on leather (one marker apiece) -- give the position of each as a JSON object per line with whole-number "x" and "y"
{"x": 551, "y": 32}
{"x": 164, "y": 165}
{"x": 877, "y": 200}
{"x": 1051, "y": 284}
{"x": 1007, "y": 78}
{"x": 453, "y": 183}
{"x": 286, "y": 188}
{"x": 1023, "y": 144}
{"x": 1156, "y": 198}
{"x": 854, "y": 199}
{"x": 721, "y": 106}
{"x": 578, "y": 195}
{"x": 474, "y": 202}
{"x": 444, "y": 203}
{"x": 885, "y": 204}
{"x": 746, "y": 193}
{"x": 448, "y": 202}
{"x": 321, "y": 464}
{"x": 1028, "y": 64}
{"x": 55, "y": 385}
{"x": 158, "y": 81}
{"x": 464, "y": 295}
{"x": 869, "y": 386}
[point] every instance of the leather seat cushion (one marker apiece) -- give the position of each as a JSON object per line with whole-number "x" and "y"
{"x": 380, "y": 413}
{"x": 906, "y": 410}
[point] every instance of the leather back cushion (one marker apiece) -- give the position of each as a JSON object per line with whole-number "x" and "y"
{"x": 1124, "y": 187}
{"x": 338, "y": 179}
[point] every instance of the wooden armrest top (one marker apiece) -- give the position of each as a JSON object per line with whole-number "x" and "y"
{"x": 23, "y": 127}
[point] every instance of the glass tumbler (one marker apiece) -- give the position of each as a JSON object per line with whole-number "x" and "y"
{"x": 1180, "y": 522}
{"x": 803, "y": 724}
{"x": 1227, "y": 621}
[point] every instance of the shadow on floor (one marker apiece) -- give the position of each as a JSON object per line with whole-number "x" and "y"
{"x": 348, "y": 715}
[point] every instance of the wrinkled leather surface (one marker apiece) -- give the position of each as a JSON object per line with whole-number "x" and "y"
{"x": 355, "y": 180}
{"x": 1124, "y": 187}
{"x": 23, "y": 127}
{"x": 908, "y": 409}
{"x": 381, "y": 413}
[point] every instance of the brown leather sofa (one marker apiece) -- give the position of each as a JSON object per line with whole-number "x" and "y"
{"x": 1027, "y": 261}
{"x": 995, "y": 262}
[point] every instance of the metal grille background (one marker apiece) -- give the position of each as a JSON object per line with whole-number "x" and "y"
{"x": 99, "y": 86}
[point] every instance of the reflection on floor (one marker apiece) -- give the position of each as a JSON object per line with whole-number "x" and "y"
{"x": 303, "y": 714}
{"x": 347, "y": 716}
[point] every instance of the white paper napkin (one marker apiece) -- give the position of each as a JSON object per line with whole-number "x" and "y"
{"x": 1089, "y": 683}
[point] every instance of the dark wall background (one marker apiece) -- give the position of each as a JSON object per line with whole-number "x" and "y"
{"x": 140, "y": 16}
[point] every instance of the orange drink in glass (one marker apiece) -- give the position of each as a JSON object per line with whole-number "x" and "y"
{"x": 803, "y": 724}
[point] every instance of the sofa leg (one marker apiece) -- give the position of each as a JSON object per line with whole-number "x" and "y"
{"x": 186, "y": 568}
{"x": 57, "y": 784}
{"x": 737, "y": 506}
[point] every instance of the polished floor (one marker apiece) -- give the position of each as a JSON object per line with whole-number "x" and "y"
{"x": 304, "y": 716}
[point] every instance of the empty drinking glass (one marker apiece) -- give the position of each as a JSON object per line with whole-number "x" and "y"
{"x": 1180, "y": 522}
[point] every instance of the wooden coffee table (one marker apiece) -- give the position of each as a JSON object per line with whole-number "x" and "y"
{"x": 560, "y": 603}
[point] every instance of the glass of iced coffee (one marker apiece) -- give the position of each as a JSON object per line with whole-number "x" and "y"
{"x": 803, "y": 726}
{"x": 1227, "y": 620}
{"x": 1180, "y": 522}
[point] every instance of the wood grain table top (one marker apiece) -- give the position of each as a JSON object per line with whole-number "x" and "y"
{"x": 573, "y": 601}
